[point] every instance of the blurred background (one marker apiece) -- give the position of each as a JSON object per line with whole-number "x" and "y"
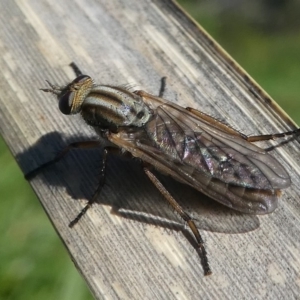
{"x": 263, "y": 36}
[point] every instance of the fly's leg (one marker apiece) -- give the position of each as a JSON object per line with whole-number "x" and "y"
{"x": 87, "y": 144}
{"x": 186, "y": 217}
{"x": 162, "y": 87}
{"x": 215, "y": 122}
{"x": 266, "y": 137}
{"x": 60, "y": 155}
{"x": 106, "y": 151}
{"x": 75, "y": 69}
{"x": 228, "y": 129}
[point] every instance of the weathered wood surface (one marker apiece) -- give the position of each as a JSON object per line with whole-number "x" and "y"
{"x": 116, "y": 246}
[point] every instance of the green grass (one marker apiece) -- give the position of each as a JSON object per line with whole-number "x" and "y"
{"x": 34, "y": 263}
{"x": 270, "y": 56}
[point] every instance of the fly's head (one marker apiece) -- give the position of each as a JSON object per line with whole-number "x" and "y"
{"x": 71, "y": 96}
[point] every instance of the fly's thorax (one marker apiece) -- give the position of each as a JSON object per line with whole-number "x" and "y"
{"x": 113, "y": 107}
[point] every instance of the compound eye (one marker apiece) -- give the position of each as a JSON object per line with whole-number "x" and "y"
{"x": 65, "y": 102}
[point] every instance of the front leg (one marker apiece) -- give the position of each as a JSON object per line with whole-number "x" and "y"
{"x": 106, "y": 151}
{"x": 61, "y": 154}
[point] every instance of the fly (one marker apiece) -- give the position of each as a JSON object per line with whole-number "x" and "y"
{"x": 184, "y": 143}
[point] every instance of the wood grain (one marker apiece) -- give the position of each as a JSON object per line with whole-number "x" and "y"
{"x": 116, "y": 246}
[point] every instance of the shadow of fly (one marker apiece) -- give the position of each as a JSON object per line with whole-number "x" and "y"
{"x": 184, "y": 143}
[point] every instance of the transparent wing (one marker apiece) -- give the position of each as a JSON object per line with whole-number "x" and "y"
{"x": 203, "y": 154}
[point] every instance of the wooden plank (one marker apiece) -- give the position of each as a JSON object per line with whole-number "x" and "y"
{"x": 117, "y": 252}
